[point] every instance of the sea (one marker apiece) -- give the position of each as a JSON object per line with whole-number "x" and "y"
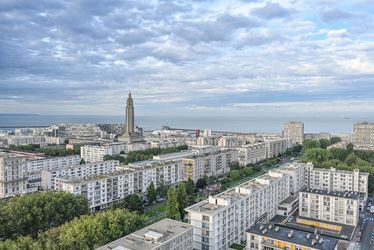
{"x": 334, "y": 125}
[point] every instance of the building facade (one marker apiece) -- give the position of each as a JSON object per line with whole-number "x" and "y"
{"x": 223, "y": 219}
{"x": 252, "y": 153}
{"x": 333, "y": 206}
{"x": 294, "y": 131}
{"x": 363, "y": 135}
{"x": 93, "y": 153}
{"x": 13, "y": 180}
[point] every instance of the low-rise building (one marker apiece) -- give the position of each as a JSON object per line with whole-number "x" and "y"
{"x": 333, "y": 206}
{"x": 270, "y": 236}
{"x": 289, "y": 206}
{"x": 163, "y": 235}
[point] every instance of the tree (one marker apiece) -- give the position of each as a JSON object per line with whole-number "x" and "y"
{"x": 82, "y": 162}
{"x": 162, "y": 190}
{"x": 335, "y": 140}
{"x": 201, "y": 183}
{"x": 151, "y": 193}
{"x": 308, "y": 144}
{"x": 234, "y": 174}
{"x": 350, "y": 148}
{"x": 190, "y": 186}
{"x": 324, "y": 143}
{"x": 32, "y": 213}
{"x": 132, "y": 202}
{"x": 351, "y": 159}
{"x": 316, "y": 155}
{"x": 182, "y": 199}
{"x": 172, "y": 205}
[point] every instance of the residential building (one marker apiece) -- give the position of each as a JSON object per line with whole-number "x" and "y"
{"x": 166, "y": 234}
{"x": 333, "y": 206}
{"x": 223, "y": 219}
{"x": 294, "y": 131}
{"x": 13, "y": 178}
{"x": 214, "y": 162}
{"x": 275, "y": 147}
{"x": 269, "y": 236}
{"x": 93, "y": 153}
{"x": 19, "y": 140}
{"x": 338, "y": 180}
{"x": 297, "y": 172}
{"x": 363, "y": 135}
{"x": 76, "y": 170}
{"x": 289, "y": 206}
{"x": 252, "y": 153}
{"x": 35, "y": 168}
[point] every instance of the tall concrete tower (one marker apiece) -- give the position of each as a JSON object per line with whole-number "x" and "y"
{"x": 129, "y": 122}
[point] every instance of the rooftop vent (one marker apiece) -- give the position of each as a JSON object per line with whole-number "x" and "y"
{"x": 313, "y": 242}
{"x": 276, "y": 229}
{"x": 270, "y": 226}
{"x": 290, "y": 233}
{"x": 320, "y": 241}
{"x": 261, "y": 227}
{"x": 308, "y": 236}
{"x": 264, "y": 231}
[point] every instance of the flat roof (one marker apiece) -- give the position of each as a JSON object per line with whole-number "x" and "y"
{"x": 347, "y": 195}
{"x": 289, "y": 200}
{"x": 298, "y": 237}
{"x": 150, "y": 237}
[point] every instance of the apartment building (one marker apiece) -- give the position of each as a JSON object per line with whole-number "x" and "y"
{"x": 35, "y": 168}
{"x": 223, "y": 219}
{"x": 93, "y": 153}
{"x": 215, "y": 162}
{"x": 18, "y": 140}
{"x": 82, "y": 171}
{"x": 333, "y": 206}
{"x": 339, "y": 180}
{"x": 270, "y": 236}
{"x": 252, "y": 153}
{"x": 103, "y": 189}
{"x": 297, "y": 172}
{"x": 13, "y": 180}
{"x": 163, "y": 235}
{"x": 294, "y": 131}
{"x": 275, "y": 147}
{"x": 100, "y": 191}
{"x": 363, "y": 135}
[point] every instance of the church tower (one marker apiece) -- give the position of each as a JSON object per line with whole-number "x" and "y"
{"x": 129, "y": 122}
{"x": 129, "y": 134}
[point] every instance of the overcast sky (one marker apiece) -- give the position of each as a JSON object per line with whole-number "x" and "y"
{"x": 187, "y": 57}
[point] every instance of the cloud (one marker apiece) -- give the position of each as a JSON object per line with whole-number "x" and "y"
{"x": 271, "y": 11}
{"x": 71, "y": 57}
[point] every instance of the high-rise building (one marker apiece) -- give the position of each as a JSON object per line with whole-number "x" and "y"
{"x": 363, "y": 135}
{"x": 130, "y": 134}
{"x": 13, "y": 178}
{"x": 294, "y": 131}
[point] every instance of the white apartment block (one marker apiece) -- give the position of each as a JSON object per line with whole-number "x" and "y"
{"x": 297, "y": 172}
{"x": 252, "y": 153}
{"x": 223, "y": 219}
{"x": 35, "y": 167}
{"x": 294, "y": 131}
{"x": 167, "y": 143}
{"x": 276, "y": 147}
{"x": 339, "y": 180}
{"x": 13, "y": 179}
{"x": 166, "y": 234}
{"x": 102, "y": 190}
{"x": 18, "y": 140}
{"x": 93, "y": 153}
{"x": 76, "y": 170}
{"x": 363, "y": 135}
{"x": 213, "y": 163}
{"x": 333, "y": 206}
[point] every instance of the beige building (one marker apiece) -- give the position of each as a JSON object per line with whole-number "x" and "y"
{"x": 163, "y": 235}
{"x": 363, "y": 135}
{"x": 93, "y": 153}
{"x": 13, "y": 180}
{"x": 333, "y": 206}
{"x": 252, "y": 153}
{"x": 294, "y": 131}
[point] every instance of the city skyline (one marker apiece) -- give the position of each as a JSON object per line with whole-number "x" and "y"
{"x": 216, "y": 57}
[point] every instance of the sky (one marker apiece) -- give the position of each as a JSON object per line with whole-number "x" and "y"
{"x": 244, "y": 57}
